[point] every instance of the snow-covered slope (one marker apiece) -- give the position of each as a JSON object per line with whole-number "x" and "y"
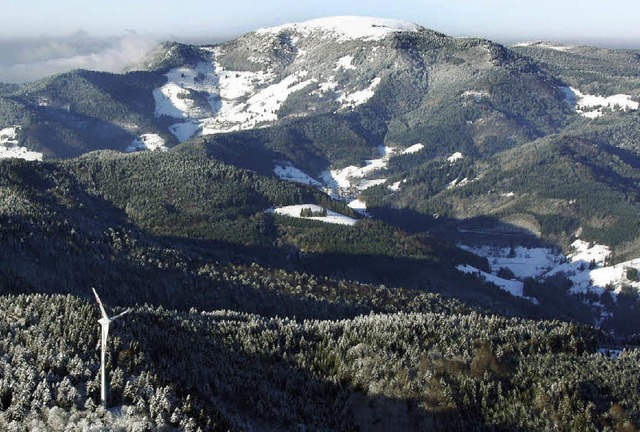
{"x": 147, "y": 142}
{"x": 413, "y": 149}
{"x": 513, "y": 287}
{"x": 588, "y": 270}
{"x": 586, "y": 266}
{"x": 545, "y": 45}
{"x": 291, "y": 173}
{"x": 10, "y": 147}
{"x": 524, "y": 262}
{"x": 348, "y": 181}
{"x": 346, "y": 28}
{"x": 331, "y": 65}
{"x": 331, "y": 216}
{"x": 592, "y": 106}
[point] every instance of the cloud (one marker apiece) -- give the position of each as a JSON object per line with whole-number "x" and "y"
{"x": 28, "y": 60}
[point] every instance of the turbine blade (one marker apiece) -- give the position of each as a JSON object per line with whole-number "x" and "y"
{"x": 104, "y": 312}
{"x": 120, "y": 314}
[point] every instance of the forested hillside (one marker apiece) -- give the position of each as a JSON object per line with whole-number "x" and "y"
{"x": 434, "y": 370}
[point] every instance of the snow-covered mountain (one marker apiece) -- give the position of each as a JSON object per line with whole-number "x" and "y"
{"x": 324, "y": 65}
{"x": 331, "y": 65}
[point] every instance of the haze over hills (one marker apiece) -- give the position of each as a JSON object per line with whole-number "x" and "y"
{"x": 322, "y": 171}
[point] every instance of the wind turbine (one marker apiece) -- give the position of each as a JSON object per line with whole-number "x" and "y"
{"x": 104, "y": 322}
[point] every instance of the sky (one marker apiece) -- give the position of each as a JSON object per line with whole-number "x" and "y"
{"x": 39, "y": 37}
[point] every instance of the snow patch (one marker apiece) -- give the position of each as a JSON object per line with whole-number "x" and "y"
{"x": 476, "y": 94}
{"x": 359, "y": 206}
{"x": 546, "y": 45}
{"x": 352, "y": 100}
{"x": 522, "y": 261}
{"x": 147, "y": 142}
{"x": 513, "y": 287}
{"x": 331, "y": 217}
{"x": 262, "y": 107}
{"x": 215, "y": 100}
{"x": 325, "y": 87}
{"x": 585, "y": 252}
{"x": 395, "y": 186}
{"x": 344, "y": 63}
{"x": 10, "y": 147}
{"x": 585, "y": 266}
{"x": 458, "y": 183}
{"x": 346, "y": 28}
{"x": 351, "y": 177}
{"x": 413, "y": 149}
{"x": 188, "y": 93}
{"x": 455, "y": 157}
{"x": 591, "y": 106}
{"x": 588, "y": 271}
{"x": 366, "y": 184}
{"x": 294, "y": 174}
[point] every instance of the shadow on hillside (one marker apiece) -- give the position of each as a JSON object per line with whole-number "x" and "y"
{"x": 271, "y": 391}
{"x": 211, "y": 275}
{"x": 481, "y": 230}
{"x": 129, "y": 266}
{"x": 308, "y": 143}
{"x": 64, "y": 132}
{"x": 628, "y": 157}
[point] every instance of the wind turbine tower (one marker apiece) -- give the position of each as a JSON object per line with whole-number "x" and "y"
{"x": 104, "y": 323}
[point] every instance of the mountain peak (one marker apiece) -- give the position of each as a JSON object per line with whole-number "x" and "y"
{"x": 347, "y": 27}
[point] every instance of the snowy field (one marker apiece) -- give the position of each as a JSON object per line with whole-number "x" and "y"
{"x": 591, "y": 106}
{"x": 413, "y": 149}
{"x": 147, "y": 142}
{"x": 354, "y": 99}
{"x": 209, "y": 100}
{"x": 395, "y": 186}
{"x": 455, "y": 157}
{"x": 546, "y": 45}
{"x": 10, "y": 148}
{"x": 331, "y": 217}
{"x": 523, "y": 262}
{"x": 513, "y": 287}
{"x": 353, "y": 177}
{"x": 345, "y": 63}
{"x": 291, "y": 173}
{"x": 359, "y": 206}
{"x": 586, "y": 266}
{"x": 348, "y": 182}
